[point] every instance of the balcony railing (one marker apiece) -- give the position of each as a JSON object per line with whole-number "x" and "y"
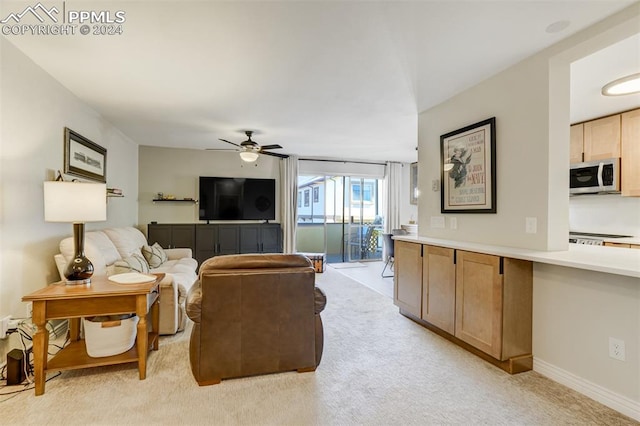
{"x": 364, "y": 243}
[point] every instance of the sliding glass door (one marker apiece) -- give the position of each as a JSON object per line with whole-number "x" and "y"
{"x": 340, "y": 216}
{"x": 364, "y": 225}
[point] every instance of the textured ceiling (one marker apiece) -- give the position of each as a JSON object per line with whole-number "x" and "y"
{"x": 322, "y": 79}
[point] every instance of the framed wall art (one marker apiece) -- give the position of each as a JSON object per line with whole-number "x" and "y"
{"x": 84, "y": 158}
{"x": 468, "y": 169}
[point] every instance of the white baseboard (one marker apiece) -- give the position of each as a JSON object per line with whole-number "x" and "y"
{"x": 620, "y": 403}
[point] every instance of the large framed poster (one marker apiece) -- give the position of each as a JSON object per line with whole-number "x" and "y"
{"x": 468, "y": 169}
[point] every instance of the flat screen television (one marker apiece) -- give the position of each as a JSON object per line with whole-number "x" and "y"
{"x": 223, "y": 198}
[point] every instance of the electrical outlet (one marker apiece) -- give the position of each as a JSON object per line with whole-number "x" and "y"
{"x": 531, "y": 225}
{"x": 29, "y": 310}
{"x": 616, "y": 349}
{"x": 435, "y": 185}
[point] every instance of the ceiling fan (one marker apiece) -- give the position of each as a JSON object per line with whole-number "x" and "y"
{"x": 250, "y": 150}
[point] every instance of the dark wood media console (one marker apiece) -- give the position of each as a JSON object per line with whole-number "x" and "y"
{"x": 209, "y": 240}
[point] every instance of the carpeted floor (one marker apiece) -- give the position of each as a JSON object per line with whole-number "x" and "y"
{"x": 378, "y": 368}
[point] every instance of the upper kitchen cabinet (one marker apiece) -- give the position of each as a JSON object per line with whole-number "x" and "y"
{"x": 602, "y": 138}
{"x": 576, "y": 142}
{"x": 630, "y": 168}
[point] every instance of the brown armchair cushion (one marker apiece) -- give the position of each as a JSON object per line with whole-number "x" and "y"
{"x": 255, "y": 261}
{"x": 254, "y": 314}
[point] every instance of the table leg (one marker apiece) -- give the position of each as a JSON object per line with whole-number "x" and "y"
{"x": 142, "y": 338}
{"x": 40, "y": 345}
{"x": 74, "y": 329}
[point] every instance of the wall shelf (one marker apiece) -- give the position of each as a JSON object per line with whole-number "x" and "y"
{"x": 175, "y": 200}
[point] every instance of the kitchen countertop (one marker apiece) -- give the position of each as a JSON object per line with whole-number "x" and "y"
{"x": 611, "y": 260}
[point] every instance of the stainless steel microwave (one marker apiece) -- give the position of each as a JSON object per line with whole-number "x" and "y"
{"x": 592, "y": 177}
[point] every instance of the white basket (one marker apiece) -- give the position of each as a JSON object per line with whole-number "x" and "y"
{"x": 106, "y": 336}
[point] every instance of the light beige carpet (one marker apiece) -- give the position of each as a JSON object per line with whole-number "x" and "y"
{"x": 379, "y": 368}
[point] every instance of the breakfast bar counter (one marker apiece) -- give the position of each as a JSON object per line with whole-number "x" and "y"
{"x": 618, "y": 261}
{"x": 579, "y": 303}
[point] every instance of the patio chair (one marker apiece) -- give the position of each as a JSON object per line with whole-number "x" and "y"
{"x": 388, "y": 244}
{"x": 389, "y": 248}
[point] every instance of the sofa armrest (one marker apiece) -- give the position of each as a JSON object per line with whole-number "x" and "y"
{"x": 178, "y": 253}
{"x": 194, "y": 302}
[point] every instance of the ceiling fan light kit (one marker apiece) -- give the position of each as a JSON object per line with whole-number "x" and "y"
{"x": 250, "y": 150}
{"x": 249, "y": 156}
{"x": 623, "y": 86}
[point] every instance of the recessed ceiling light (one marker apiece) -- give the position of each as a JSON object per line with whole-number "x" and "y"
{"x": 557, "y": 26}
{"x": 623, "y": 86}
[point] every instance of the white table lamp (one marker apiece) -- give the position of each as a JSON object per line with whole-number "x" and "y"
{"x": 77, "y": 203}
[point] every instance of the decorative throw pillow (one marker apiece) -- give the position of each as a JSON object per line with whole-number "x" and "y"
{"x": 135, "y": 263}
{"x": 155, "y": 255}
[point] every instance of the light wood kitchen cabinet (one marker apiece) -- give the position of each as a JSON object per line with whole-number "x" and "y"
{"x": 602, "y": 138}
{"x": 576, "y": 143}
{"x": 407, "y": 291}
{"x": 630, "y": 151}
{"x": 622, "y": 245}
{"x": 439, "y": 287}
{"x": 478, "y": 301}
{"x": 494, "y": 304}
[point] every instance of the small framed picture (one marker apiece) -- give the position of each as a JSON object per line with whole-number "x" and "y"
{"x": 468, "y": 169}
{"x": 84, "y": 158}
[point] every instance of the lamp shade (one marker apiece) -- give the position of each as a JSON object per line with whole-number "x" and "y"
{"x": 248, "y": 156}
{"x": 75, "y": 202}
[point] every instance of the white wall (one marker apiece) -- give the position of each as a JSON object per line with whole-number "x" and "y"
{"x": 574, "y": 311}
{"x": 176, "y": 172}
{"x": 531, "y": 104}
{"x": 518, "y": 99}
{"x": 605, "y": 214}
{"x": 35, "y": 110}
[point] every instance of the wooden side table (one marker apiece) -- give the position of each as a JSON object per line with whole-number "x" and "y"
{"x": 101, "y": 297}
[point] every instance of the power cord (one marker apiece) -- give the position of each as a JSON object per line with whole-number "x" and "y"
{"x": 23, "y": 329}
{"x": 27, "y": 387}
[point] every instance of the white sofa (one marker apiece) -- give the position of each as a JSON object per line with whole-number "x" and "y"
{"x": 106, "y": 247}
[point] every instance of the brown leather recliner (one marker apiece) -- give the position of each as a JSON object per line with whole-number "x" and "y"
{"x": 254, "y": 314}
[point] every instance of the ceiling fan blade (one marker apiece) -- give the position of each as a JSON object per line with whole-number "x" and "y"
{"x": 224, "y": 140}
{"x": 274, "y": 154}
{"x": 271, "y": 147}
